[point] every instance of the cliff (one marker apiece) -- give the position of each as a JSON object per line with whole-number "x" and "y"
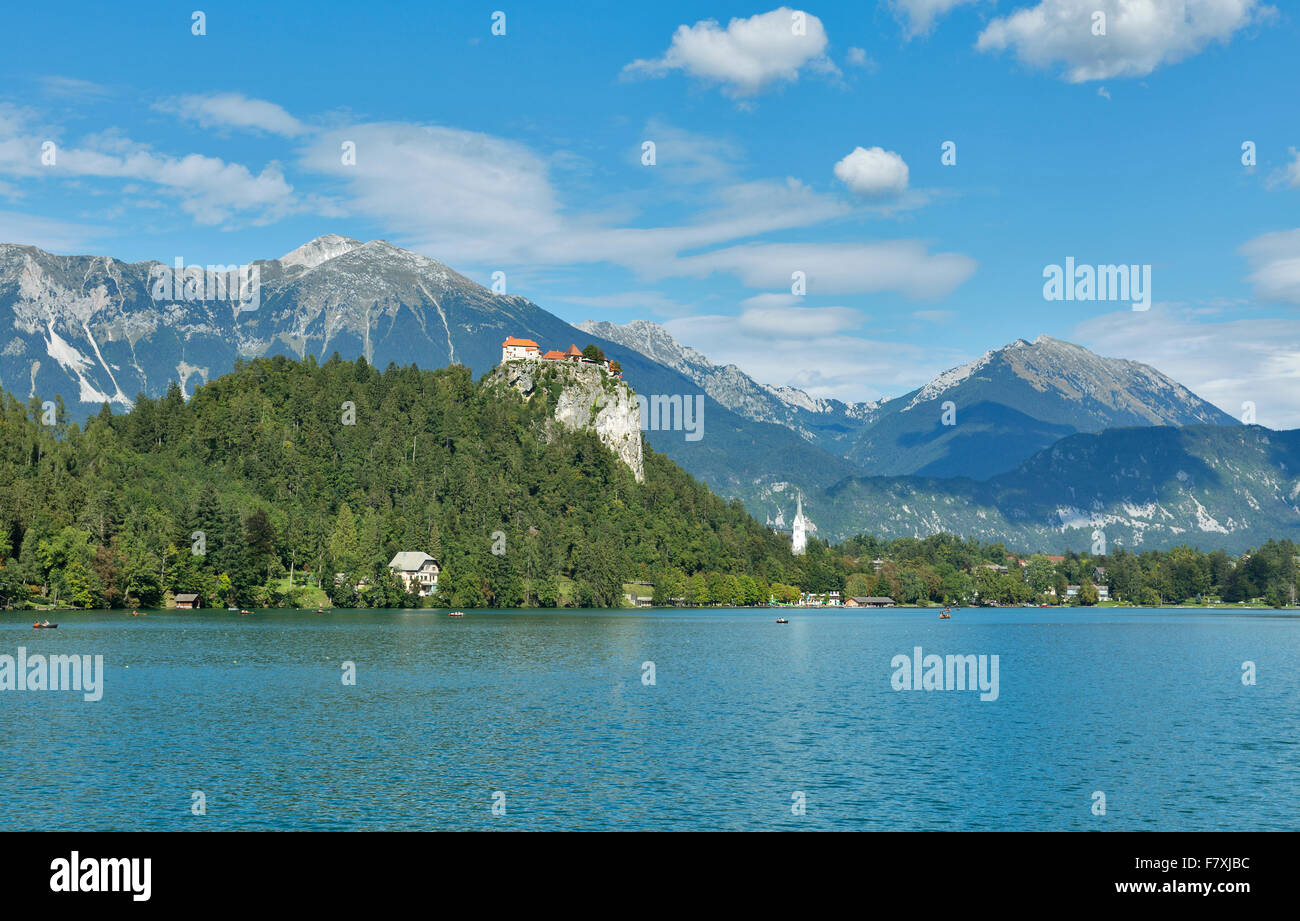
{"x": 585, "y": 397}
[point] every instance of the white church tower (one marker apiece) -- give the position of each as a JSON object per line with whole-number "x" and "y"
{"x": 799, "y": 534}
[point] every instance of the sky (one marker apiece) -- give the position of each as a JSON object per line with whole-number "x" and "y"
{"x": 846, "y": 197}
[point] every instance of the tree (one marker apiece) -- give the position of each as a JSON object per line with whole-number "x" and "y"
{"x": 259, "y": 536}
{"x": 1039, "y": 574}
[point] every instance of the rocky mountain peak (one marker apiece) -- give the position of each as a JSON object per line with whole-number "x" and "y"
{"x": 322, "y": 249}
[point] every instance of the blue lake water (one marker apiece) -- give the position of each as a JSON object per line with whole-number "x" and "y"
{"x": 550, "y": 709}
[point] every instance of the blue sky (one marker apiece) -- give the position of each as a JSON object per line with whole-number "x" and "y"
{"x": 522, "y": 153}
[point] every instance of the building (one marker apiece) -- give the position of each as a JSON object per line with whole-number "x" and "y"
{"x": 799, "y": 531}
{"x": 188, "y": 601}
{"x": 519, "y": 348}
{"x": 419, "y": 572}
{"x": 871, "y": 601}
{"x": 514, "y": 348}
{"x": 1103, "y": 593}
{"x": 640, "y": 595}
{"x": 1071, "y": 591}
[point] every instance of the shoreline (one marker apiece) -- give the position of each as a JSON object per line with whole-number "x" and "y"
{"x": 1225, "y": 606}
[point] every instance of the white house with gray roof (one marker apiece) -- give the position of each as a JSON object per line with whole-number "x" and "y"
{"x": 419, "y": 571}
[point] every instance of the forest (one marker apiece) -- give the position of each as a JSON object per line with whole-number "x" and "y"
{"x": 293, "y": 483}
{"x": 285, "y": 481}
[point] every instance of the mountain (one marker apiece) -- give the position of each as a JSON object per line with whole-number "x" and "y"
{"x": 1006, "y": 405}
{"x": 1016, "y": 400}
{"x": 827, "y": 423}
{"x": 1230, "y": 487}
{"x": 90, "y": 329}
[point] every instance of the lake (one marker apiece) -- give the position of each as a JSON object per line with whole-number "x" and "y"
{"x": 748, "y": 724}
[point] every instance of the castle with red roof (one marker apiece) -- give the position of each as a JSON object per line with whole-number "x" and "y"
{"x": 515, "y": 348}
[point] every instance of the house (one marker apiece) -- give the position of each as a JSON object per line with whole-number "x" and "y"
{"x": 640, "y": 595}
{"x": 1103, "y": 593}
{"x": 553, "y": 355}
{"x": 419, "y": 572}
{"x": 519, "y": 348}
{"x": 871, "y": 601}
{"x": 188, "y": 601}
{"x": 1071, "y": 591}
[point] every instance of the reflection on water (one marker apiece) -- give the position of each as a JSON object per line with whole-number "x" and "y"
{"x": 550, "y": 709}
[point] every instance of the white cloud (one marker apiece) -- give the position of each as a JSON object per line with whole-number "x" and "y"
{"x": 920, "y": 15}
{"x": 768, "y": 301}
{"x": 689, "y": 156}
{"x": 809, "y": 321}
{"x": 749, "y": 55}
{"x": 1275, "y": 261}
{"x": 210, "y": 190}
{"x": 1228, "y": 362}
{"x": 857, "y": 57}
{"x": 1289, "y": 175}
{"x": 1140, "y": 35}
{"x": 874, "y": 173}
{"x": 654, "y": 301}
{"x": 234, "y": 110}
{"x": 476, "y": 200}
{"x": 72, "y": 88}
{"x": 904, "y": 266}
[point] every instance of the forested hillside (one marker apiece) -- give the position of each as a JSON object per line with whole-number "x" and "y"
{"x": 317, "y": 469}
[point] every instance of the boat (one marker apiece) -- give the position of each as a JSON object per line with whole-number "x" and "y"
{"x": 45, "y": 626}
{"x": 319, "y": 611}
{"x": 945, "y": 617}
{"x": 245, "y": 612}
{"x": 782, "y": 620}
{"x": 455, "y": 613}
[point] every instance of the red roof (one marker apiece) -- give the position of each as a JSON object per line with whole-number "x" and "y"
{"x": 553, "y": 355}
{"x": 574, "y": 350}
{"x": 511, "y": 340}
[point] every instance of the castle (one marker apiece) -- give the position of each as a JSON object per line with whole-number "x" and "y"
{"x": 514, "y": 348}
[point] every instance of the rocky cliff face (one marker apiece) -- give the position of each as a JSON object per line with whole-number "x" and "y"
{"x": 589, "y": 398}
